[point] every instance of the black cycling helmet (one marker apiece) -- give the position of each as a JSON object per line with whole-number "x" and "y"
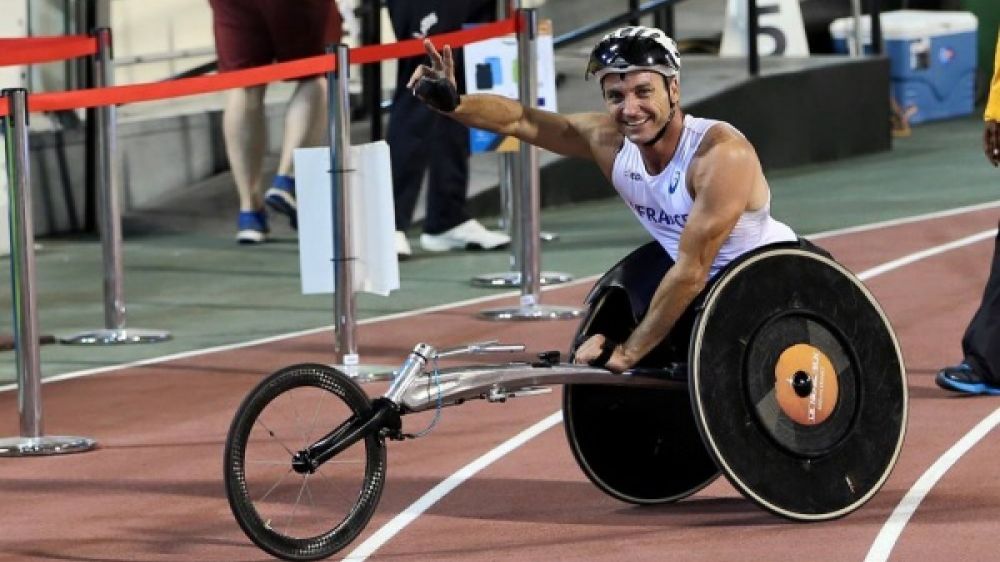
{"x": 634, "y": 48}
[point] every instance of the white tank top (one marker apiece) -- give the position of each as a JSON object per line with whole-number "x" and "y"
{"x": 662, "y": 202}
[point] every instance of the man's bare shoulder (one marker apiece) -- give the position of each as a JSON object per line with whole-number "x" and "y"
{"x": 725, "y": 137}
{"x": 596, "y": 126}
{"x": 601, "y": 135}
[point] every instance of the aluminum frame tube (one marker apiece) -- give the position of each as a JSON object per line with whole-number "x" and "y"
{"x": 338, "y": 101}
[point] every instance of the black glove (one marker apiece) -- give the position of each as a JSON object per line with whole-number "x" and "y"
{"x": 607, "y": 349}
{"x": 438, "y": 93}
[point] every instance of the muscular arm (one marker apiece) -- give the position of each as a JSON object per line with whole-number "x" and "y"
{"x": 569, "y": 135}
{"x": 723, "y": 177}
{"x": 584, "y": 135}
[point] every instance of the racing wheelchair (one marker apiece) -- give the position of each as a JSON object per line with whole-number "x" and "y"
{"x": 784, "y": 376}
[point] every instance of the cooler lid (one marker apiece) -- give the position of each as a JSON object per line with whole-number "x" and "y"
{"x": 909, "y": 24}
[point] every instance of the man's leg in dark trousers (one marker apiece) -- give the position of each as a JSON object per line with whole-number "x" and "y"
{"x": 981, "y": 343}
{"x": 448, "y": 179}
{"x": 410, "y": 123}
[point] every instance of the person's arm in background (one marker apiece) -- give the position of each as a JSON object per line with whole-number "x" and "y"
{"x": 991, "y": 134}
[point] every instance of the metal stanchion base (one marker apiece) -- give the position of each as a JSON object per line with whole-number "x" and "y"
{"x": 362, "y": 373}
{"x": 367, "y": 373}
{"x": 513, "y": 279}
{"x": 532, "y": 312}
{"x": 41, "y": 446}
{"x": 113, "y": 337}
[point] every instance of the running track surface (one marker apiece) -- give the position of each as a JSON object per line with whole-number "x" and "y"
{"x": 153, "y": 490}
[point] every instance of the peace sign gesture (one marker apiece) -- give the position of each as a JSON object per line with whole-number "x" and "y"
{"x": 435, "y": 85}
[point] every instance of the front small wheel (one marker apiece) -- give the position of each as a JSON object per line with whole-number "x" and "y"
{"x": 292, "y": 515}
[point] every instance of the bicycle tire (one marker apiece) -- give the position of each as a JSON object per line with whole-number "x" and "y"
{"x": 328, "y": 393}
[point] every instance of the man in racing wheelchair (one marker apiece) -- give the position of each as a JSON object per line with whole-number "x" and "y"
{"x": 695, "y": 184}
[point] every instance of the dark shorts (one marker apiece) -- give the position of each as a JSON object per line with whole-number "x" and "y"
{"x": 252, "y": 33}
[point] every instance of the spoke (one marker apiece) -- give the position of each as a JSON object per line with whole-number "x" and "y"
{"x": 312, "y": 424}
{"x": 273, "y": 463}
{"x": 298, "y": 423}
{"x": 276, "y": 484}
{"x": 298, "y": 500}
{"x": 275, "y": 437}
{"x": 312, "y": 501}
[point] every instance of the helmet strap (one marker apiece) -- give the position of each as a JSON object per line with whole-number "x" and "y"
{"x": 670, "y": 117}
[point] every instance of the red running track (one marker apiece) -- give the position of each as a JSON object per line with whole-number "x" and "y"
{"x": 153, "y": 491}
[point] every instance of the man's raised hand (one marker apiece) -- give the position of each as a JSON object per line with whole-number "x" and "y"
{"x": 435, "y": 85}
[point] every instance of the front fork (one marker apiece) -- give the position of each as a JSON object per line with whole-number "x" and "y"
{"x": 384, "y": 416}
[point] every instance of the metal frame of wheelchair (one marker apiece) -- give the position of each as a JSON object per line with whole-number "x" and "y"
{"x": 655, "y": 434}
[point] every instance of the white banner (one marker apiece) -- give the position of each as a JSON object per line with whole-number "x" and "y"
{"x": 491, "y": 68}
{"x": 371, "y": 220}
{"x": 779, "y": 29}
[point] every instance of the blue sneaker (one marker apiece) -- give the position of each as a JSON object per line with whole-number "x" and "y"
{"x": 961, "y": 378}
{"x": 251, "y": 227}
{"x": 281, "y": 198}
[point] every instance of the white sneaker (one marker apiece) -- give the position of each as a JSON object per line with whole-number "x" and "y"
{"x": 470, "y": 235}
{"x": 403, "y": 250}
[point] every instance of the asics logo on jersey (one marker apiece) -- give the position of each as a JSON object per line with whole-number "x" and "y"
{"x": 674, "y": 181}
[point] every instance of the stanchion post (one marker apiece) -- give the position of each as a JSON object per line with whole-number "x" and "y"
{"x": 22, "y": 274}
{"x": 109, "y": 216}
{"x": 511, "y": 217}
{"x": 528, "y": 153}
{"x": 526, "y": 198}
{"x": 338, "y": 96}
{"x": 108, "y": 204}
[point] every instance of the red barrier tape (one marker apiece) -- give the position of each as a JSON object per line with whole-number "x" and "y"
{"x": 32, "y": 50}
{"x": 117, "y": 95}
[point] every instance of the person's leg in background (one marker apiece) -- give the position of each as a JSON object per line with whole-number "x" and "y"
{"x": 448, "y": 225}
{"x": 305, "y": 123}
{"x": 979, "y": 372}
{"x": 298, "y": 30}
{"x": 410, "y": 138}
{"x": 237, "y": 26}
{"x": 244, "y": 132}
{"x": 448, "y": 176}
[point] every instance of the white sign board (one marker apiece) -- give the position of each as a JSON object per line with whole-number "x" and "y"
{"x": 371, "y": 219}
{"x": 779, "y": 29}
{"x": 491, "y": 67}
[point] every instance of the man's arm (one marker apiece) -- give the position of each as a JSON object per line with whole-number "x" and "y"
{"x": 579, "y": 135}
{"x": 723, "y": 178}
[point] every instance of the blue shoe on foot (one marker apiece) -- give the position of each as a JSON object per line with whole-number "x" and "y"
{"x": 281, "y": 198}
{"x": 961, "y": 378}
{"x": 251, "y": 227}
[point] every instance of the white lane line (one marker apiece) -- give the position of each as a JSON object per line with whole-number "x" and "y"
{"x": 390, "y": 529}
{"x": 904, "y": 220}
{"x": 290, "y": 335}
{"x": 893, "y": 527}
{"x": 917, "y": 256}
{"x": 280, "y": 337}
{"x": 399, "y": 522}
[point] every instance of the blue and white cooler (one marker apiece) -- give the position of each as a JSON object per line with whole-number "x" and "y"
{"x": 932, "y": 59}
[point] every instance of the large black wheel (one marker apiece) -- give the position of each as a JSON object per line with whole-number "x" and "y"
{"x": 301, "y": 516}
{"x": 798, "y": 384}
{"x": 638, "y": 445}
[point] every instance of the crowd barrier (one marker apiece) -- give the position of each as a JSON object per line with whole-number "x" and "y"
{"x": 15, "y": 105}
